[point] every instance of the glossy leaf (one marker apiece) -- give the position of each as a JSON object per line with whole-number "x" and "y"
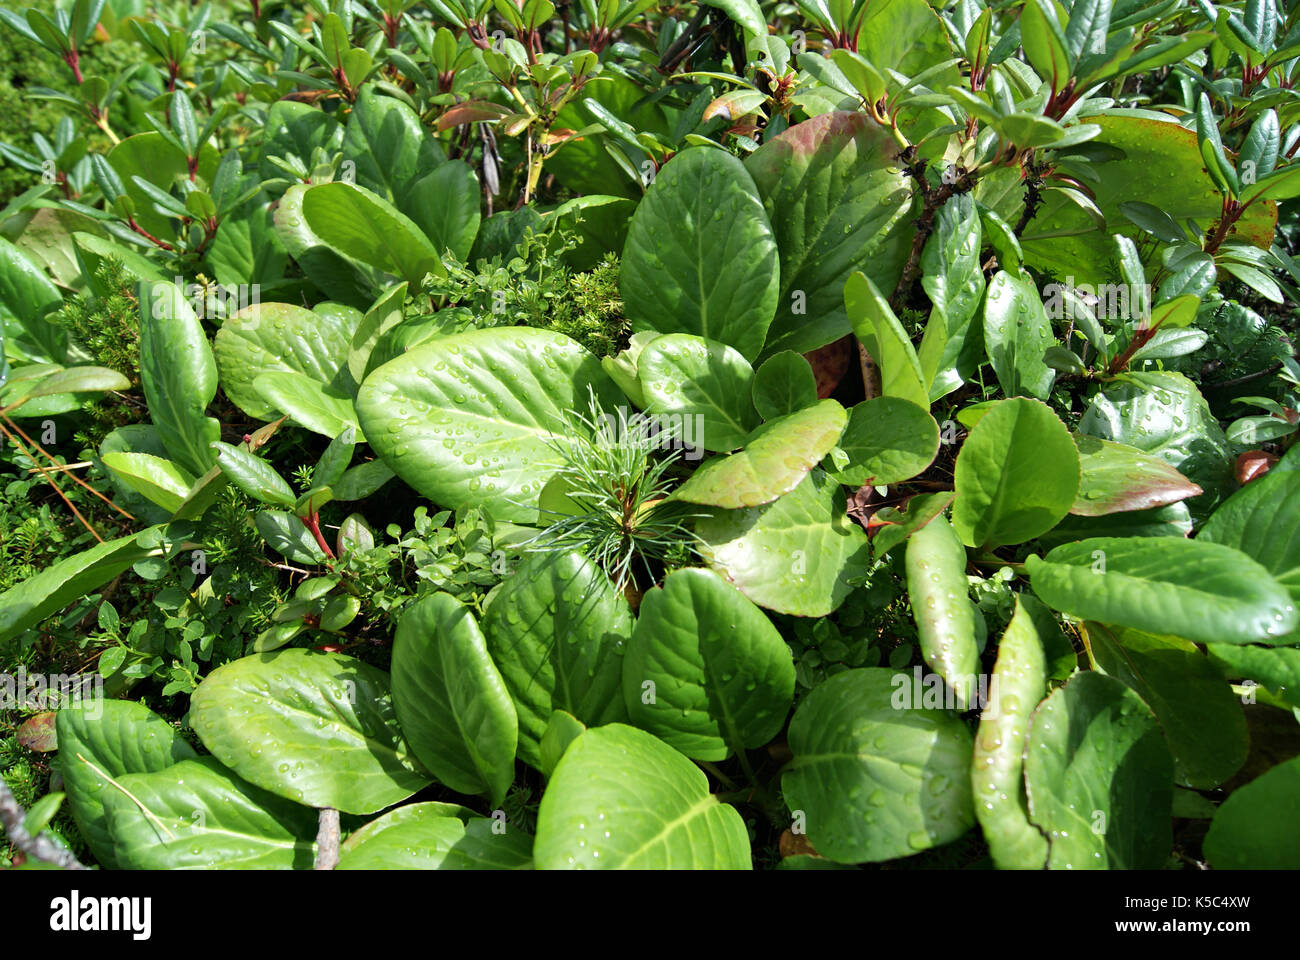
{"x": 888, "y": 440}
{"x": 684, "y": 375}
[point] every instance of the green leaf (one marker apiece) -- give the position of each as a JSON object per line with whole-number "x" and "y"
{"x": 681, "y": 374}
{"x": 1016, "y": 335}
{"x": 316, "y": 728}
{"x": 41, "y": 596}
{"x": 1040, "y": 33}
{"x": 178, "y": 375}
{"x": 888, "y": 440}
{"x": 295, "y": 129}
{"x": 1016, "y": 476}
{"x": 307, "y": 402}
{"x": 157, "y": 480}
{"x": 702, "y": 212}
{"x": 1099, "y": 778}
{"x": 1162, "y": 413}
{"x": 1200, "y": 591}
{"x": 1115, "y": 477}
{"x": 746, "y": 13}
{"x": 944, "y": 615}
{"x": 837, "y": 198}
{"x": 473, "y": 419}
{"x": 876, "y": 776}
{"x": 561, "y": 730}
{"x": 151, "y": 158}
{"x": 1257, "y": 828}
{"x": 884, "y": 338}
{"x": 621, "y": 799}
{"x": 705, "y": 670}
{"x": 795, "y": 555}
{"x": 269, "y": 337}
{"x": 1275, "y": 668}
{"x": 421, "y": 836}
{"x": 1208, "y": 139}
{"x": 337, "y": 276}
{"x": 897, "y": 525}
{"x": 198, "y": 815}
{"x": 1262, "y": 520}
{"x": 363, "y": 226}
{"x": 254, "y": 476}
{"x": 775, "y": 459}
{"x": 784, "y": 384}
{"x": 389, "y": 144}
{"x": 27, "y": 295}
{"x": 1085, "y": 33}
{"x": 1019, "y": 683}
{"x": 556, "y": 631}
{"x": 1201, "y": 719}
{"x": 954, "y": 282}
{"x": 453, "y": 705}
{"x": 445, "y": 205}
{"x": 117, "y": 737}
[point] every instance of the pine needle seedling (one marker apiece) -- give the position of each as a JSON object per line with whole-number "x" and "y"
{"x": 616, "y": 482}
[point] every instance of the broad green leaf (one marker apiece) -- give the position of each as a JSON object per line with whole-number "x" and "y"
{"x": 1016, "y": 335}
{"x": 941, "y": 607}
{"x": 795, "y": 555}
{"x": 561, "y": 730}
{"x": 1099, "y": 778}
{"x": 178, "y": 375}
{"x": 363, "y": 226}
{"x": 27, "y": 295}
{"x": 897, "y": 525}
{"x": 557, "y": 630}
{"x": 1258, "y": 826}
{"x": 316, "y": 728}
{"x": 1017, "y": 475}
{"x": 1201, "y": 719}
{"x": 1162, "y": 413}
{"x": 285, "y": 534}
{"x": 1115, "y": 478}
{"x": 1019, "y": 683}
{"x": 1275, "y": 668}
{"x": 747, "y": 13}
{"x": 700, "y": 256}
{"x": 876, "y": 776}
{"x": 157, "y": 480}
{"x": 621, "y": 799}
{"x": 775, "y": 459}
{"x": 198, "y": 815}
{"x": 884, "y": 338}
{"x": 474, "y": 419}
{"x": 784, "y": 384}
{"x": 269, "y": 337}
{"x": 79, "y": 379}
{"x": 117, "y": 737}
{"x": 1262, "y": 520}
{"x": 337, "y": 276}
{"x": 41, "y": 596}
{"x": 888, "y": 440}
{"x": 151, "y": 158}
{"x": 952, "y": 279}
{"x": 309, "y": 403}
{"x": 1200, "y": 591}
{"x": 254, "y": 475}
{"x": 295, "y": 129}
{"x": 453, "y": 705}
{"x": 1044, "y": 44}
{"x": 428, "y": 839}
{"x": 684, "y": 375}
{"x": 837, "y": 200}
{"x": 445, "y": 205}
{"x": 705, "y": 670}
{"x": 389, "y": 145}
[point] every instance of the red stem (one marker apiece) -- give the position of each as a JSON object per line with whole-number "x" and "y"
{"x": 312, "y": 523}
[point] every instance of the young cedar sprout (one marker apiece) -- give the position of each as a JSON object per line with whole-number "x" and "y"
{"x": 608, "y": 500}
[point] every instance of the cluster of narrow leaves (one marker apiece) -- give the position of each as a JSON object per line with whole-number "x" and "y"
{"x": 1037, "y": 231}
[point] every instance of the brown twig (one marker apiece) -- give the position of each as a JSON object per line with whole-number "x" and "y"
{"x": 327, "y": 840}
{"x": 40, "y": 846}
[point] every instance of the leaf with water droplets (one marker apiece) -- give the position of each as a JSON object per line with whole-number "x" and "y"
{"x": 317, "y": 728}
{"x": 1099, "y": 778}
{"x": 876, "y": 774}
{"x": 622, "y": 799}
{"x": 722, "y": 679}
